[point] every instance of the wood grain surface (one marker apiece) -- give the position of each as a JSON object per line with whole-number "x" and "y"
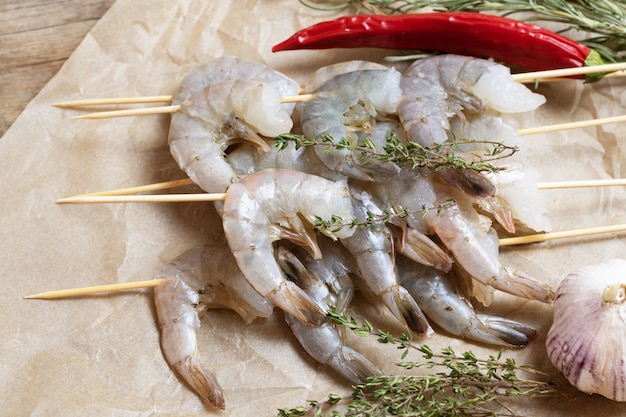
{"x": 36, "y": 37}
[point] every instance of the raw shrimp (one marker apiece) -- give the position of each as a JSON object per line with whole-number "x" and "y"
{"x": 228, "y": 68}
{"x": 326, "y": 73}
{"x": 327, "y": 280}
{"x": 518, "y": 203}
{"x": 212, "y": 119}
{"x": 405, "y": 198}
{"x": 474, "y": 245}
{"x": 201, "y": 278}
{"x": 345, "y": 106}
{"x": 437, "y": 88}
{"x": 373, "y": 248}
{"x": 439, "y": 295}
{"x": 274, "y": 204}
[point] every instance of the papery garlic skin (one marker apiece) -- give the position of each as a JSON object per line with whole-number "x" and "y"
{"x": 587, "y": 340}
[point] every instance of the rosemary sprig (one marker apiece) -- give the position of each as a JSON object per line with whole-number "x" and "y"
{"x": 604, "y": 22}
{"x": 410, "y": 154}
{"x": 462, "y": 384}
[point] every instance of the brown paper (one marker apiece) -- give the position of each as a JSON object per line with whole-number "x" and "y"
{"x": 100, "y": 355}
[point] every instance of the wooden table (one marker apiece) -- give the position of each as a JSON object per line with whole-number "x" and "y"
{"x": 36, "y": 37}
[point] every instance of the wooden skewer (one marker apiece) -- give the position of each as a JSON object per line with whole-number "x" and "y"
{"x": 542, "y": 237}
{"x": 119, "y": 100}
{"x": 142, "y": 188}
{"x": 612, "y": 182}
{"x": 75, "y": 292}
{"x": 160, "y": 198}
{"x": 530, "y": 77}
{"x": 520, "y": 240}
{"x": 167, "y": 109}
{"x": 571, "y": 125}
{"x": 122, "y": 195}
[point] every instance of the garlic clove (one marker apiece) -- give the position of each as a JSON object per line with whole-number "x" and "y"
{"x": 587, "y": 340}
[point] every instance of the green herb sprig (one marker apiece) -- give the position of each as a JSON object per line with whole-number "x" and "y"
{"x": 410, "y": 154}
{"x": 603, "y": 22}
{"x": 461, "y": 384}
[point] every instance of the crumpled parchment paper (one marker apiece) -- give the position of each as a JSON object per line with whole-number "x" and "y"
{"x": 100, "y": 355}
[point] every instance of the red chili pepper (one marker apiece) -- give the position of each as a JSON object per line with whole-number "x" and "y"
{"x": 510, "y": 41}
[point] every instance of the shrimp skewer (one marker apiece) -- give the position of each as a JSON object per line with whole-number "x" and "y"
{"x": 199, "y": 279}
{"x": 275, "y": 204}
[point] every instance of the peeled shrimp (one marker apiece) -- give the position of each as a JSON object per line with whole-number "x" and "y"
{"x": 373, "y": 248}
{"x": 475, "y": 248}
{"x": 441, "y": 299}
{"x": 274, "y": 204}
{"x": 199, "y": 279}
{"x": 345, "y": 106}
{"x": 327, "y": 280}
{"x": 221, "y": 114}
{"x": 437, "y": 88}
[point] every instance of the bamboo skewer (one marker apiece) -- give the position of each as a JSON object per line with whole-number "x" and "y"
{"x": 122, "y": 195}
{"x": 75, "y": 292}
{"x": 112, "y": 101}
{"x": 520, "y": 240}
{"x": 542, "y": 237}
{"x": 158, "y": 110}
{"x": 530, "y": 77}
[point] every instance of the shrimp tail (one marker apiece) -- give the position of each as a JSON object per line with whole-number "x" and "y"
{"x": 294, "y": 301}
{"x": 523, "y": 285}
{"x": 510, "y": 332}
{"x": 352, "y": 365}
{"x": 405, "y": 308}
{"x": 468, "y": 181}
{"x": 420, "y": 248}
{"x": 202, "y": 381}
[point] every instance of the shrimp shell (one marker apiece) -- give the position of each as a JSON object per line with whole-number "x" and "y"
{"x": 437, "y": 88}
{"x": 221, "y": 114}
{"x": 327, "y": 280}
{"x": 346, "y": 105}
{"x": 441, "y": 299}
{"x": 270, "y": 205}
{"x": 228, "y": 68}
{"x": 201, "y": 278}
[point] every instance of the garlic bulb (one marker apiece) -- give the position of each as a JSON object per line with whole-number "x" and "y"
{"x": 587, "y": 340}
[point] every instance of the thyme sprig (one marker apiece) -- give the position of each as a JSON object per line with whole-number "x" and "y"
{"x": 411, "y": 153}
{"x": 337, "y": 223}
{"x": 461, "y": 384}
{"x": 604, "y": 22}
